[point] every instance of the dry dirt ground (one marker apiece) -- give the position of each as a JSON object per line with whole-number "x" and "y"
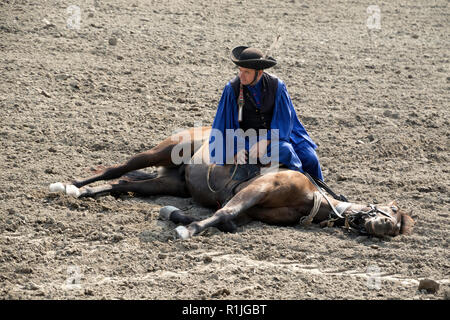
{"x": 76, "y": 96}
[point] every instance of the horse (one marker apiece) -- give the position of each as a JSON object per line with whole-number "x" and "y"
{"x": 278, "y": 197}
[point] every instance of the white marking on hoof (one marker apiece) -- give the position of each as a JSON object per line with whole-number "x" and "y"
{"x": 165, "y": 212}
{"x": 73, "y": 191}
{"x": 182, "y": 232}
{"x": 57, "y": 187}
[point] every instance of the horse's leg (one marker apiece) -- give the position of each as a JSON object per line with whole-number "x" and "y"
{"x": 157, "y": 156}
{"x": 288, "y": 191}
{"x": 167, "y": 185}
{"x": 243, "y": 200}
{"x": 177, "y": 216}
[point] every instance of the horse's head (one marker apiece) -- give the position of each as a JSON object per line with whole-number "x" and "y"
{"x": 388, "y": 220}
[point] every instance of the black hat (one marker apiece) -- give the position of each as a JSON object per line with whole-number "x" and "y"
{"x": 251, "y": 58}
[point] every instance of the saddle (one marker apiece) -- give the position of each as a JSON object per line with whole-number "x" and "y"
{"x": 245, "y": 172}
{"x": 239, "y": 173}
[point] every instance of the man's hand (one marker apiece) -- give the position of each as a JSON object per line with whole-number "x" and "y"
{"x": 241, "y": 157}
{"x": 259, "y": 149}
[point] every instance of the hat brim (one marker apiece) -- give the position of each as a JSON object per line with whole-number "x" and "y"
{"x": 258, "y": 64}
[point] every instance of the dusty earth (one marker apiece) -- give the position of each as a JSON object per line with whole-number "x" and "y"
{"x": 74, "y": 97}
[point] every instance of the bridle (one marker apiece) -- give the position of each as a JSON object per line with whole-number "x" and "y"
{"x": 354, "y": 221}
{"x": 373, "y": 210}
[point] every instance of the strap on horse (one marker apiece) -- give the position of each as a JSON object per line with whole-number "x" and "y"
{"x": 239, "y": 173}
{"x": 306, "y": 221}
{"x": 313, "y": 181}
{"x": 352, "y": 221}
{"x": 208, "y": 175}
{"x": 328, "y": 189}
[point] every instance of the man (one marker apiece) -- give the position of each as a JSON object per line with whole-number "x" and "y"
{"x": 257, "y": 100}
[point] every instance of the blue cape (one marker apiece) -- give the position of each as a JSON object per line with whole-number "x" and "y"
{"x": 291, "y": 132}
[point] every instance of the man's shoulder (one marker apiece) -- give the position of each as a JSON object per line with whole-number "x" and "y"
{"x": 229, "y": 90}
{"x": 235, "y": 82}
{"x": 274, "y": 82}
{"x": 274, "y": 78}
{"x": 269, "y": 75}
{"x": 233, "y": 85}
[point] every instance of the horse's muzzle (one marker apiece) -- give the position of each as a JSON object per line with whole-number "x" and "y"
{"x": 382, "y": 226}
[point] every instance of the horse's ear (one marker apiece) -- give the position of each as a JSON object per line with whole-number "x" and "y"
{"x": 393, "y": 203}
{"x": 407, "y": 224}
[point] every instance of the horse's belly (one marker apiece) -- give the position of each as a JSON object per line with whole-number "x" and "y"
{"x": 196, "y": 183}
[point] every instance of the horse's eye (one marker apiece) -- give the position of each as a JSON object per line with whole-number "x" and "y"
{"x": 394, "y": 208}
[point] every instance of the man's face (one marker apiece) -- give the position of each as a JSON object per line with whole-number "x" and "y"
{"x": 247, "y": 75}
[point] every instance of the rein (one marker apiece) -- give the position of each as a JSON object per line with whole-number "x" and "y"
{"x": 372, "y": 211}
{"x": 208, "y": 175}
{"x": 323, "y": 194}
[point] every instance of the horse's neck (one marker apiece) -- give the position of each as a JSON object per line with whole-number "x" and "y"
{"x": 342, "y": 206}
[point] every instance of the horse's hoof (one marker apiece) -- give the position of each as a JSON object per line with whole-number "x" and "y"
{"x": 57, "y": 187}
{"x": 165, "y": 212}
{"x": 73, "y": 191}
{"x": 182, "y": 232}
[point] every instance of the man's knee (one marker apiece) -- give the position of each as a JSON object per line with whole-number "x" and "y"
{"x": 310, "y": 161}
